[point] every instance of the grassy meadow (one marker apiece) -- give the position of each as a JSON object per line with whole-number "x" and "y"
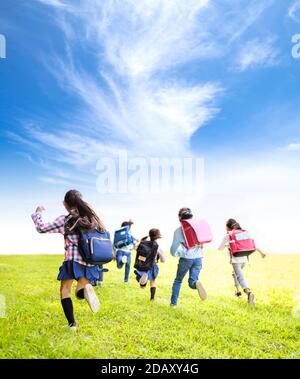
{"x": 128, "y": 326}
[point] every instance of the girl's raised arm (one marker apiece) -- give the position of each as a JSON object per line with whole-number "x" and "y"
{"x": 57, "y": 226}
{"x": 224, "y": 243}
{"x": 262, "y": 254}
{"x": 161, "y": 255}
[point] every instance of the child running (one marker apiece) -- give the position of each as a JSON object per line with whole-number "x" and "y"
{"x": 73, "y": 267}
{"x": 190, "y": 261}
{"x": 124, "y": 247}
{"x": 238, "y": 263}
{"x": 147, "y": 256}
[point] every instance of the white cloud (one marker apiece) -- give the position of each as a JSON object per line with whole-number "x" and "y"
{"x": 53, "y": 3}
{"x": 258, "y": 52}
{"x": 47, "y": 179}
{"x": 144, "y": 37}
{"x": 133, "y": 98}
{"x": 294, "y": 11}
{"x": 127, "y": 102}
{"x": 171, "y": 111}
{"x": 293, "y": 147}
{"x": 249, "y": 13}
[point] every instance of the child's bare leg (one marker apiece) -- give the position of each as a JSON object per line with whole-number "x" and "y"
{"x": 65, "y": 288}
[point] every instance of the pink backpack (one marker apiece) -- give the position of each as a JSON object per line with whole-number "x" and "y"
{"x": 241, "y": 243}
{"x": 196, "y": 232}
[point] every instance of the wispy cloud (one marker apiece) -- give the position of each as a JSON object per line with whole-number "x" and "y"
{"x": 53, "y": 180}
{"x": 248, "y": 14}
{"x": 169, "y": 112}
{"x": 53, "y": 3}
{"x": 257, "y": 52}
{"x": 126, "y": 96}
{"x": 293, "y": 147}
{"x": 294, "y": 11}
{"x": 130, "y": 95}
{"x": 144, "y": 37}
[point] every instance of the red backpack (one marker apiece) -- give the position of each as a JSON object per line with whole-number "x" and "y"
{"x": 196, "y": 232}
{"x": 241, "y": 243}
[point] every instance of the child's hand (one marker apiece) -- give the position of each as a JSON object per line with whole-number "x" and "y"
{"x": 263, "y": 255}
{"x": 40, "y": 209}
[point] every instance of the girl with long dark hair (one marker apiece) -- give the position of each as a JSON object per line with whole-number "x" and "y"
{"x": 80, "y": 216}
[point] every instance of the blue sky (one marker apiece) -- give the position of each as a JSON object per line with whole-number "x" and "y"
{"x": 215, "y": 79}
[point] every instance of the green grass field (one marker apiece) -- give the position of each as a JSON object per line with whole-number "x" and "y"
{"x": 128, "y": 326}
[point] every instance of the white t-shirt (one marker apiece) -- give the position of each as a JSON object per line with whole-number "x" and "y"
{"x": 161, "y": 255}
{"x": 233, "y": 259}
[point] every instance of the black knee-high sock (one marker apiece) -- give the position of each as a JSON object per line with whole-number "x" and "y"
{"x": 80, "y": 294}
{"x": 68, "y": 309}
{"x": 152, "y": 291}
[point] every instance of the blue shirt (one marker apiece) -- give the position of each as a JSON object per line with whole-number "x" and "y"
{"x": 178, "y": 248}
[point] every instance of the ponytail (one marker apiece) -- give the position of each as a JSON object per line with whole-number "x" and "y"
{"x": 232, "y": 224}
{"x": 79, "y": 209}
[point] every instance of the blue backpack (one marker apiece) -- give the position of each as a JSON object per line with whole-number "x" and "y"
{"x": 123, "y": 237}
{"x": 95, "y": 247}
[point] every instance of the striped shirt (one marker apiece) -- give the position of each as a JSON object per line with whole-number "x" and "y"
{"x": 58, "y": 226}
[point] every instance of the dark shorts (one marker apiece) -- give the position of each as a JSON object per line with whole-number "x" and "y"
{"x": 74, "y": 270}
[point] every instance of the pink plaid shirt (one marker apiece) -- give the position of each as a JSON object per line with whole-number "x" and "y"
{"x": 58, "y": 226}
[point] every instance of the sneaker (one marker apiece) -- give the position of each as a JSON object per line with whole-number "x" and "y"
{"x": 251, "y": 299}
{"x": 73, "y": 328}
{"x": 91, "y": 298}
{"x": 126, "y": 283}
{"x": 238, "y": 294}
{"x": 173, "y": 306}
{"x": 124, "y": 259}
{"x": 201, "y": 291}
{"x": 144, "y": 279}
